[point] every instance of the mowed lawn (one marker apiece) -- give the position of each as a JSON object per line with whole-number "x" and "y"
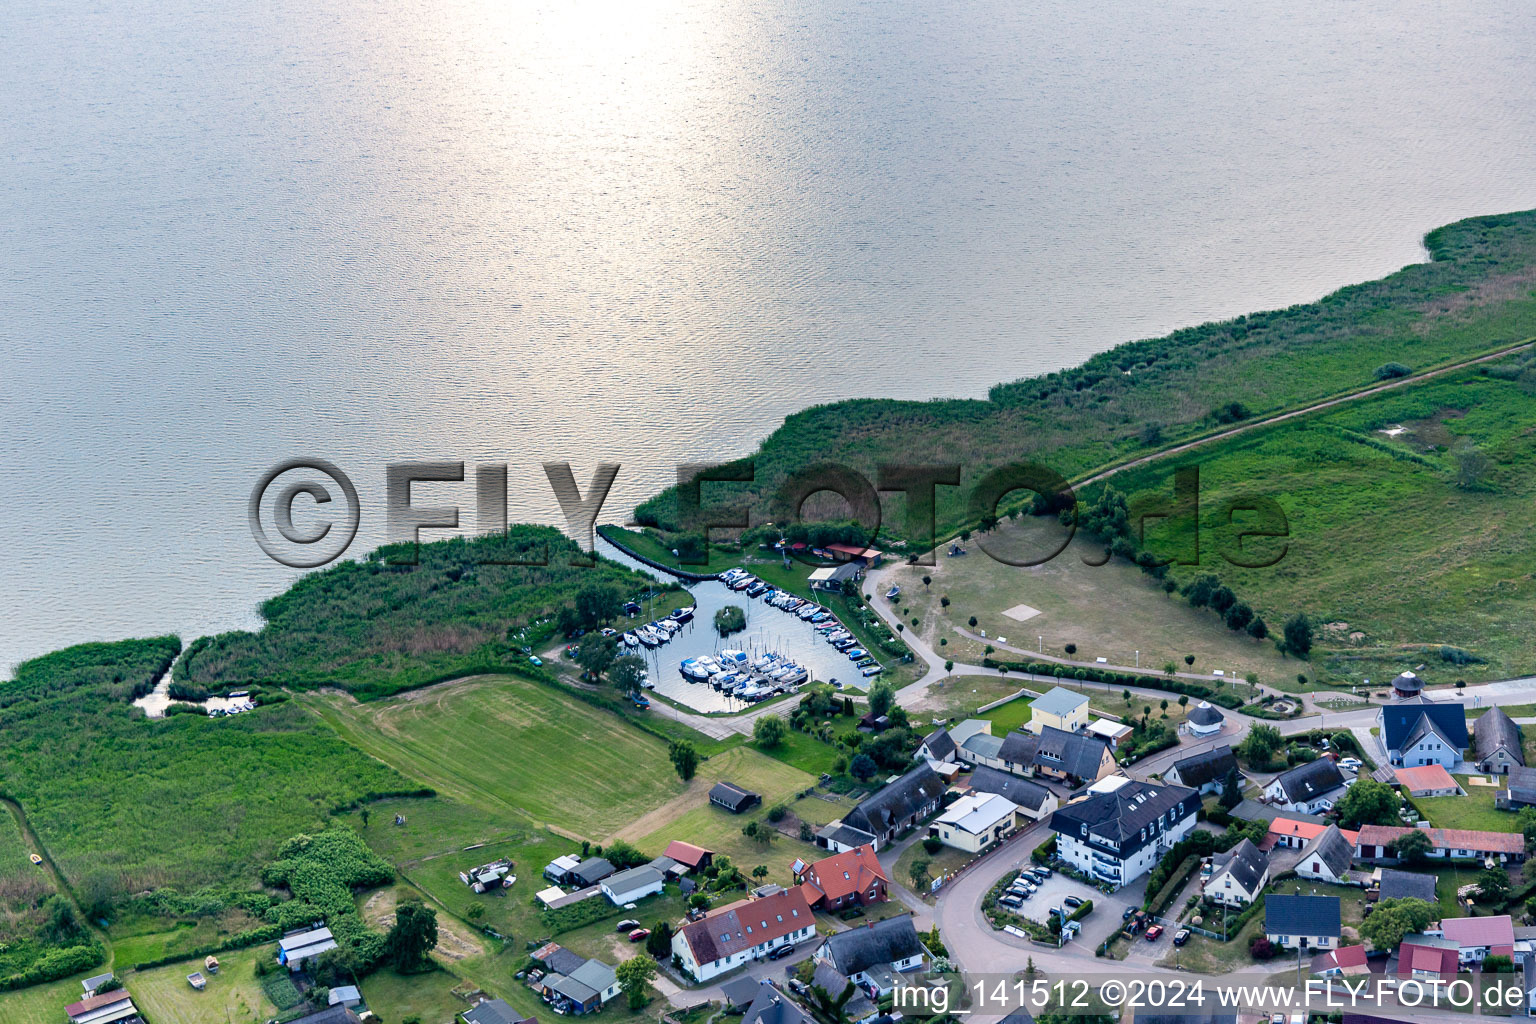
{"x": 40, "y": 1004}
{"x": 1473, "y": 811}
{"x": 232, "y": 995}
{"x": 508, "y": 745}
{"x": 1109, "y": 611}
{"x": 694, "y": 819}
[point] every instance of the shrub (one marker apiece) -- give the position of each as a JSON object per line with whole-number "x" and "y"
{"x": 1262, "y": 949}
{"x": 932, "y": 844}
{"x": 1387, "y": 371}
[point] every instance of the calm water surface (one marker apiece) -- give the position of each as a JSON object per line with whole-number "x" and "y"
{"x": 644, "y": 232}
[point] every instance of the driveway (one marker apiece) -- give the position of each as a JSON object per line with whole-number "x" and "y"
{"x": 1103, "y": 922}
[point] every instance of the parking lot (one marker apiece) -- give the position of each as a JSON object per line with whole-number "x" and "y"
{"x": 1097, "y": 926}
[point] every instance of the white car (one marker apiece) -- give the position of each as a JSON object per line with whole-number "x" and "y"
{"x": 1352, "y": 763}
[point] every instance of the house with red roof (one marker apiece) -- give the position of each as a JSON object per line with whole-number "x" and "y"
{"x": 694, "y": 858}
{"x": 851, "y": 878}
{"x": 1428, "y": 780}
{"x": 1296, "y": 834}
{"x": 104, "y": 1008}
{"x": 1344, "y": 961}
{"x": 1427, "y": 956}
{"x": 738, "y": 933}
{"x": 1375, "y": 842}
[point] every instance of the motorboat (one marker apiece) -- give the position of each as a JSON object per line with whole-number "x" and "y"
{"x": 742, "y": 582}
{"x": 766, "y": 663}
{"x": 821, "y": 616}
{"x": 646, "y": 637}
{"x": 872, "y": 670}
{"x": 796, "y": 674}
{"x": 732, "y": 658}
{"x": 681, "y": 615}
{"x": 756, "y": 589}
{"x": 698, "y": 669}
{"x": 864, "y": 662}
{"x": 856, "y": 653}
{"x": 808, "y": 611}
{"x": 630, "y": 640}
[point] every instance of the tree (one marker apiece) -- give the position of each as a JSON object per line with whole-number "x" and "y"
{"x": 1070, "y": 649}
{"x": 881, "y": 697}
{"x": 1392, "y": 919}
{"x": 363, "y": 813}
{"x": 1298, "y": 635}
{"x": 1261, "y": 743}
{"x": 918, "y": 872}
{"x": 627, "y": 673}
{"x": 972, "y": 621}
{"x": 1231, "y": 789}
{"x": 1368, "y": 802}
{"x": 412, "y": 938}
{"x": 944, "y": 601}
{"x": 622, "y": 855}
{"x": 1493, "y": 885}
{"x": 634, "y": 975}
{"x": 760, "y": 872}
{"x": 757, "y": 832}
{"x": 659, "y": 942}
{"x": 1471, "y": 466}
{"x": 1189, "y": 659}
{"x": 927, "y": 580}
{"x": 1258, "y": 628}
{"x": 1411, "y": 848}
{"x": 862, "y": 767}
{"x": 684, "y": 758}
{"x": 1125, "y": 695}
{"x": 1183, "y": 700}
{"x": 1222, "y": 599}
{"x": 768, "y": 731}
{"x": 1238, "y": 616}
{"x": 597, "y": 604}
{"x": 596, "y": 654}
{"x": 730, "y": 619}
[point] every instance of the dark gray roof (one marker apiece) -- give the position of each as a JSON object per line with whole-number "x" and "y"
{"x": 1073, "y": 753}
{"x": 1399, "y": 885}
{"x": 1407, "y": 682}
{"x": 1246, "y": 862}
{"x": 1021, "y": 791}
{"x": 879, "y": 811}
{"x": 1210, "y": 766}
{"x": 732, "y": 795}
{"x": 1495, "y": 729}
{"x": 1301, "y": 915}
{"x": 939, "y": 744}
{"x": 1311, "y": 780}
{"x": 563, "y": 961}
{"x": 1121, "y": 816}
{"x": 592, "y": 870}
{"x": 741, "y": 991}
{"x": 492, "y": 1011}
{"x": 770, "y": 1007}
{"x": 1398, "y": 721}
{"x": 1332, "y": 849}
{"x": 1204, "y": 714}
{"x": 1522, "y": 784}
{"x": 634, "y": 878}
{"x": 337, "y": 1014}
{"x": 1019, "y": 747}
{"x": 844, "y": 835}
{"x": 873, "y": 945}
{"x": 835, "y": 983}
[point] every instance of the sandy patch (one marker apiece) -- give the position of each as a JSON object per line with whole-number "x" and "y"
{"x": 689, "y": 799}
{"x": 1021, "y": 612}
{"x": 453, "y": 942}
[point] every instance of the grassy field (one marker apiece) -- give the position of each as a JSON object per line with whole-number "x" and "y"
{"x": 803, "y": 751}
{"x": 947, "y": 860}
{"x": 233, "y": 996}
{"x": 692, "y": 818}
{"x": 1473, "y": 811}
{"x": 1109, "y": 611}
{"x": 43, "y": 1003}
{"x": 23, "y": 887}
{"x": 514, "y": 746}
{"x": 431, "y": 996}
{"x": 1393, "y": 554}
{"x": 139, "y": 940}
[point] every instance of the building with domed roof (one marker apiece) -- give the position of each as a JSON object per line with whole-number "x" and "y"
{"x": 1204, "y": 720}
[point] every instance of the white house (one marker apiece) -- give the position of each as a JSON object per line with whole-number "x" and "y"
{"x": 1116, "y": 837}
{"x": 1420, "y": 731}
{"x": 747, "y": 930}
{"x": 1309, "y": 788}
{"x": 1238, "y": 876}
{"x": 635, "y": 884}
{"x": 1327, "y": 857}
{"x": 975, "y": 821}
{"x": 1204, "y": 720}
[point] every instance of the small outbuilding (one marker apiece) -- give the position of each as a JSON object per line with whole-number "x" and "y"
{"x": 624, "y": 887}
{"x": 732, "y": 797}
{"x": 1204, "y": 720}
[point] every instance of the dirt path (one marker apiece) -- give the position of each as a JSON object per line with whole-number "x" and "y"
{"x": 649, "y": 822}
{"x": 1326, "y": 403}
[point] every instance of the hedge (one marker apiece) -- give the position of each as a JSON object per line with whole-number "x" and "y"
{"x": 240, "y": 940}
{"x": 1082, "y": 911}
{"x": 1157, "y": 903}
{"x": 1094, "y": 675}
{"x": 1044, "y": 852}
{"x": 56, "y": 964}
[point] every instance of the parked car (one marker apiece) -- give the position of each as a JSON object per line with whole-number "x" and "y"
{"x": 1128, "y": 912}
{"x": 1073, "y": 901}
{"x": 797, "y": 986}
{"x": 1352, "y": 763}
{"x": 638, "y": 934}
{"x": 1012, "y": 900}
{"x": 534, "y": 659}
{"x": 626, "y": 925}
{"x": 1181, "y": 936}
{"x": 1154, "y": 933}
{"x": 781, "y": 953}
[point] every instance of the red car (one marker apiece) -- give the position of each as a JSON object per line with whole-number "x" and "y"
{"x": 1154, "y": 933}
{"x": 638, "y": 934}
